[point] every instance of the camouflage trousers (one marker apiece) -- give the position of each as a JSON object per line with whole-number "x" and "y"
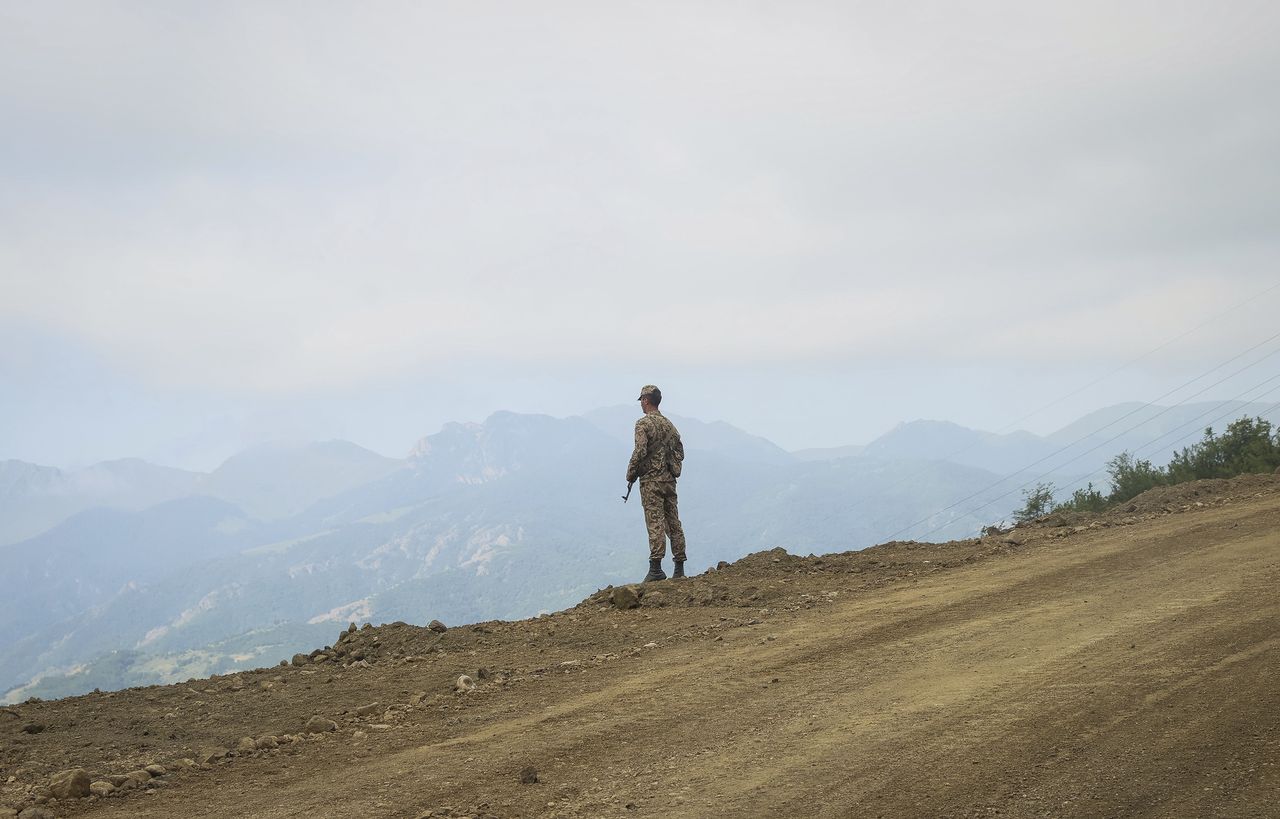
{"x": 662, "y": 518}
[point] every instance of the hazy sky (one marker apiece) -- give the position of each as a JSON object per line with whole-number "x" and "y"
{"x": 222, "y": 223}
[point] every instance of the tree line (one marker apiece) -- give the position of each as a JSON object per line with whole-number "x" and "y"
{"x": 1246, "y": 446}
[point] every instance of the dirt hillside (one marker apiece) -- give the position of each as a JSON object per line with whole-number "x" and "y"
{"x": 1127, "y": 665}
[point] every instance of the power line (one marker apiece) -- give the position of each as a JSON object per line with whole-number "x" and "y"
{"x": 1129, "y": 414}
{"x": 948, "y": 456}
{"x": 1147, "y": 354}
{"x": 1179, "y": 429}
{"x": 1095, "y": 448}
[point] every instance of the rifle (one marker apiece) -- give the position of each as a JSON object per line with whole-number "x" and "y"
{"x": 629, "y": 485}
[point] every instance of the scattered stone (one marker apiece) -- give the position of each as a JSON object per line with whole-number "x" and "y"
{"x": 419, "y": 696}
{"x": 139, "y": 776}
{"x": 37, "y": 813}
{"x": 301, "y": 659}
{"x": 624, "y": 597}
{"x": 358, "y": 735}
{"x": 437, "y": 627}
{"x": 464, "y": 684}
{"x": 102, "y": 788}
{"x": 155, "y": 770}
{"x": 72, "y": 784}
{"x": 650, "y": 645}
{"x": 570, "y": 663}
{"x": 529, "y": 776}
{"x": 483, "y": 674}
{"x": 319, "y": 725}
{"x": 210, "y": 755}
{"x": 33, "y": 728}
{"x": 366, "y": 710}
{"x": 246, "y": 745}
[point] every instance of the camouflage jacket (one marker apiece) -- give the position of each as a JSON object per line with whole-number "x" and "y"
{"x": 659, "y": 453}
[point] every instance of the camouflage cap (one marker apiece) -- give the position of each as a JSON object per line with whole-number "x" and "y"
{"x": 649, "y": 389}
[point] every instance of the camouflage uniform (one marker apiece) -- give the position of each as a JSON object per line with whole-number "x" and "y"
{"x": 656, "y": 463}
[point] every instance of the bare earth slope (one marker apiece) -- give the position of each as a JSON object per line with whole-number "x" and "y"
{"x": 1127, "y": 667}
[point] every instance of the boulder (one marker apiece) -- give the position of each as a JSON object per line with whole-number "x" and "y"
{"x": 37, "y": 813}
{"x": 267, "y": 743}
{"x": 437, "y": 627}
{"x": 156, "y": 770}
{"x": 140, "y": 776}
{"x": 464, "y": 684}
{"x": 366, "y": 710}
{"x": 102, "y": 788}
{"x": 246, "y": 745}
{"x": 319, "y": 725}
{"x": 301, "y": 659}
{"x": 211, "y": 754}
{"x": 72, "y": 784}
{"x": 625, "y": 597}
{"x": 528, "y": 775}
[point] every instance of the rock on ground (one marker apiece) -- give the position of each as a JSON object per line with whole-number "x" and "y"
{"x": 625, "y": 597}
{"x": 319, "y": 725}
{"x": 72, "y": 784}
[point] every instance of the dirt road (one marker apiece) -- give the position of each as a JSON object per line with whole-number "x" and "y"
{"x": 1131, "y": 669}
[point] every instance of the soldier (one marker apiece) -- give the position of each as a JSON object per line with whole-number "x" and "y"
{"x": 656, "y": 463}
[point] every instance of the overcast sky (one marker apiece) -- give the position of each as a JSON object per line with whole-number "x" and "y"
{"x": 223, "y": 223}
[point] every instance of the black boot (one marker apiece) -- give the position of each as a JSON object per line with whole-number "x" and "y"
{"x": 679, "y": 572}
{"x": 655, "y": 572}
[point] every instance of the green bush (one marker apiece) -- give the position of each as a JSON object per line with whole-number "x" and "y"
{"x": 1037, "y": 502}
{"x": 1247, "y": 446}
{"x": 1131, "y": 477}
{"x": 1085, "y": 499}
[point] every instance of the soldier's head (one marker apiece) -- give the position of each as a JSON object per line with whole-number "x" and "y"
{"x": 650, "y": 397}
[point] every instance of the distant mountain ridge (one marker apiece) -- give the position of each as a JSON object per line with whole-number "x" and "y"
{"x": 500, "y": 519}
{"x": 34, "y": 498}
{"x": 269, "y": 482}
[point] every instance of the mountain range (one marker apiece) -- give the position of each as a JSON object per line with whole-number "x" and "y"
{"x": 139, "y": 574}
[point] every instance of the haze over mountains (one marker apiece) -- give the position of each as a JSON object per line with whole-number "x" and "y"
{"x": 128, "y": 573}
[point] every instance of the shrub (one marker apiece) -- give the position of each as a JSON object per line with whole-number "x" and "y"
{"x": 1037, "y": 502}
{"x": 1131, "y": 477}
{"x": 1086, "y": 499}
